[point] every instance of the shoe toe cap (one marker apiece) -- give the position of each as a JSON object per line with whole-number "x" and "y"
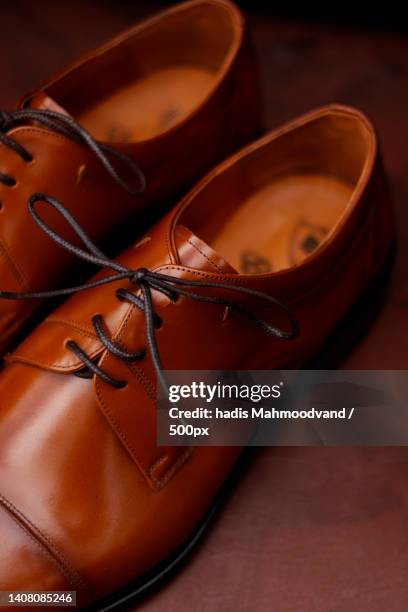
{"x": 27, "y": 563}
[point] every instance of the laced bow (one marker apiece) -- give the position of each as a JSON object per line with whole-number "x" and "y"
{"x": 146, "y": 280}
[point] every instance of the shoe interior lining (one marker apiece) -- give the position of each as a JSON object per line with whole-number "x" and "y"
{"x": 274, "y": 207}
{"x": 154, "y": 79}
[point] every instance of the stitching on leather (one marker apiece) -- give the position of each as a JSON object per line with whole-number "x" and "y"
{"x": 71, "y": 325}
{"x": 125, "y": 321}
{"x": 161, "y": 482}
{"x": 39, "y": 362}
{"x": 117, "y": 428}
{"x": 197, "y": 272}
{"x": 14, "y": 358}
{"x": 149, "y": 389}
{"x": 42, "y": 132}
{"x": 157, "y": 463}
{"x": 44, "y": 364}
{"x": 239, "y": 280}
{"x": 144, "y": 381}
{"x": 46, "y": 546}
{"x": 205, "y": 256}
{"x": 134, "y": 369}
{"x": 169, "y": 249}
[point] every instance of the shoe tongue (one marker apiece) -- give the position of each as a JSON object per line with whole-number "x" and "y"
{"x": 195, "y": 253}
{"x": 42, "y": 101}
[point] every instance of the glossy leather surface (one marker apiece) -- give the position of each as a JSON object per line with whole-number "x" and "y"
{"x": 89, "y": 501}
{"x": 195, "y": 58}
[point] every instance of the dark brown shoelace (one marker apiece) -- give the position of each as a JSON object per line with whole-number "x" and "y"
{"x": 67, "y": 126}
{"x": 146, "y": 281}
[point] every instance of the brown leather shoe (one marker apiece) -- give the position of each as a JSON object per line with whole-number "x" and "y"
{"x": 89, "y": 502}
{"x": 172, "y": 96}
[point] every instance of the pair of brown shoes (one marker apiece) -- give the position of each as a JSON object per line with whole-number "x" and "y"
{"x": 293, "y": 229}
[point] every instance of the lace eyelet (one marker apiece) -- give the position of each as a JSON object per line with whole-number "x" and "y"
{"x": 158, "y": 322}
{"x": 9, "y": 181}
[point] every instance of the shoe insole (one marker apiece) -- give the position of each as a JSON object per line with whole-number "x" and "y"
{"x": 149, "y": 106}
{"x": 282, "y": 223}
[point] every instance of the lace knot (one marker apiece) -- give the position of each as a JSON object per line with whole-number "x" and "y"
{"x": 172, "y": 287}
{"x": 139, "y": 275}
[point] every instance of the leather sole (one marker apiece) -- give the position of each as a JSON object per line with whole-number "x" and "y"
{"x": 346, "y": 335}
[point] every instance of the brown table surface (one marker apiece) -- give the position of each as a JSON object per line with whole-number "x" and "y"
{"x": 305, "y": 529}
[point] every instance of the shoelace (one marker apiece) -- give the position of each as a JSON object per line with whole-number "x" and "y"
{"x": 67, "y": 126}
{"x": 146, "y": 280}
